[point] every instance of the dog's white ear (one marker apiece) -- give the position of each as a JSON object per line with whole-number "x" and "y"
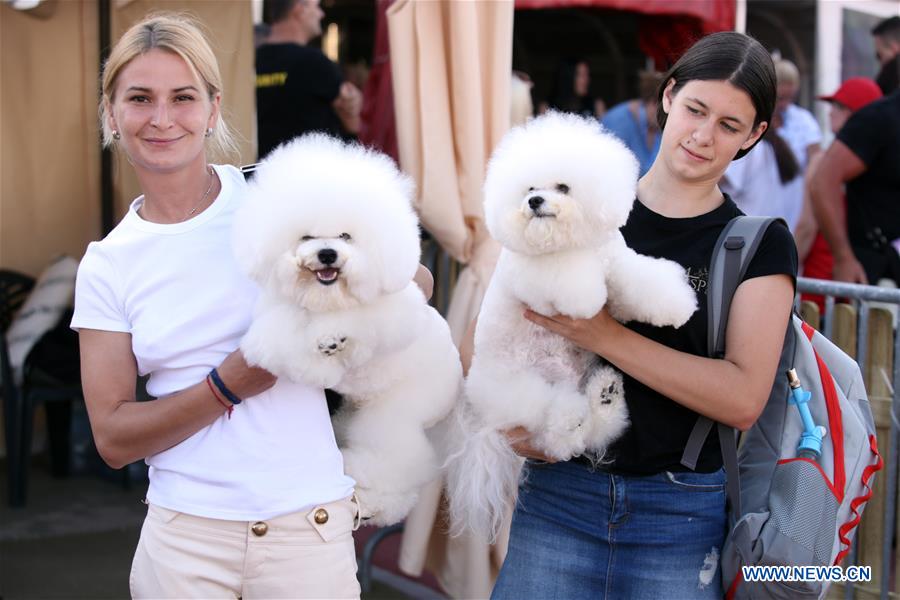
{"x": 400, "y": 251}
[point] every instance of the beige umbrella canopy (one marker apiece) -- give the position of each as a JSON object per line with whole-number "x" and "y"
{"x": 451, "y": 65}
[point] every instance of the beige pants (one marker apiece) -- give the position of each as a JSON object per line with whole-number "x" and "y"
{"x": 301, "y": 555}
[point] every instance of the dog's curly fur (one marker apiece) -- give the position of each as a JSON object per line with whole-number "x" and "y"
{"x": 557, "y": 191}
{"x": 329, "y": 234}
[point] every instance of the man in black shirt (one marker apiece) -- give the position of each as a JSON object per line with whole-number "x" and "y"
{"x": 298, "y": 89}
{"x": 866, "y": 157}
{"x": 887, "y": 48}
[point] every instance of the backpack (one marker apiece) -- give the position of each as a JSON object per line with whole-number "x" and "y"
{"x": 788, "y": 510}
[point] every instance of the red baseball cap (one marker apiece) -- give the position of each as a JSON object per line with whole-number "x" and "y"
{"x": 855, "y": 93}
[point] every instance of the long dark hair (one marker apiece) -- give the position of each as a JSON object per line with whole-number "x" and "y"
{"x": 788, "y": 167}
{"x": 726, "y": 56}
{"x": 562, "y": 96}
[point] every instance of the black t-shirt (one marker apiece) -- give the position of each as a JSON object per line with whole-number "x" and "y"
{"x": 660, "y": 427}
{"x": 873, "y": 199}
{"x": 295, "y": 86}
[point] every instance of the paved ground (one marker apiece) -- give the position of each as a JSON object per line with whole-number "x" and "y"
{"x": 76, "y": 536}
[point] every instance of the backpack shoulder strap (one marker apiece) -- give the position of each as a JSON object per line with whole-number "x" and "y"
{"x": 248, "y": 170}
{"x": 735, "y": 248}
{"x": 731, "y": 255}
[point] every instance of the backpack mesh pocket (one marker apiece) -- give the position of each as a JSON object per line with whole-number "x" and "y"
{"x": 800, "y": 493}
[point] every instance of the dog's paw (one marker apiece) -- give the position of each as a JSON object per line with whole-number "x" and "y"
{"x": 330, "y": 345}
{"x": 674, "y": 301}
{"x": 566, "y": 427}
{"x": 609, "y": 413}
{"x": 605, "y": 388}
{"x": 682, "y": 304}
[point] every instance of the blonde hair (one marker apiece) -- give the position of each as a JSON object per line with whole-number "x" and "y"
{"x": 182, "y": 36}
{"x": 786, "y": 71}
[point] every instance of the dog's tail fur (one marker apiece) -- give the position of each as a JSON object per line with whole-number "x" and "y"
{"x": 482, "y": 476}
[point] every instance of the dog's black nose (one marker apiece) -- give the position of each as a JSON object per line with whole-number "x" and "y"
{"x": 327, "y": 256}
{"x": 535, "y": 201}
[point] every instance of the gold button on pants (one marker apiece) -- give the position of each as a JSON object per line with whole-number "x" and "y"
{"x": 295, "y": 557}
{"x": 321, "y": 516}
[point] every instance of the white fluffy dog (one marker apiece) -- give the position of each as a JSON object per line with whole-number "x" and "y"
{"x": 329, "y": 233}
{"x": 557, "y": 191}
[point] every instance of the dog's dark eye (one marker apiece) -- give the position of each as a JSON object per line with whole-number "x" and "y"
{"x": 346, "y": 237}
{"x": 531, "y": 189}
{"x": 562, "y": 188}
{"x": 306, "y": 238}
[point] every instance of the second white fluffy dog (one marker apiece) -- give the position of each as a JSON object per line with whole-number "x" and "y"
{"x": 557, "y": 191}
{"x": 329, "y": 233}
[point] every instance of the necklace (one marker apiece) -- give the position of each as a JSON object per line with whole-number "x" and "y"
{"x": 212, "y": 180}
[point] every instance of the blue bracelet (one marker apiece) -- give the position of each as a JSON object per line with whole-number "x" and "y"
{"x": 220, "y": 385}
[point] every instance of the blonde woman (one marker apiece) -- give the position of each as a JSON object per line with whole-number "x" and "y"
{"x": 247, "y": 496}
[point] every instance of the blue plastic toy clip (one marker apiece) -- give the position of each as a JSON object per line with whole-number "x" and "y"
{"x": 810, "y": 445}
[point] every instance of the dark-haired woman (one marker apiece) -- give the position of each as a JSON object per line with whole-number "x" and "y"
{"x": 571, "y": 91}
{"x": 644, "y": 526}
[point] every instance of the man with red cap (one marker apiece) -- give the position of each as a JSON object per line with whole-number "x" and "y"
{"x": 812, "y": 248}
{"x": 853, "y": 94}
{"x": 866, "y": 157}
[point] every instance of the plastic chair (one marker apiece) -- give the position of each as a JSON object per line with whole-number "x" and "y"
{"x": 39, "y": 385}
{"x": 14, "y": 290}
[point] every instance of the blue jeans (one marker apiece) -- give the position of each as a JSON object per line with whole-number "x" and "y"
{"x": 578, "y": 533}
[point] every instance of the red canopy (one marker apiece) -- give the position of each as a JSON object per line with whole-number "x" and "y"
{"x": 716, "y": 15}
{"x": 667, "y": 27}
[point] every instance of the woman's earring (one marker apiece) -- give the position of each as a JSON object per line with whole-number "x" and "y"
{"x": 209, "y": 132}
{"x": 116, "y": 135}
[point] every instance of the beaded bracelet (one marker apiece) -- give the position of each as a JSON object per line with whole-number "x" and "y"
{"x": 220, "y": 385}
{"x": 228, "y": 407}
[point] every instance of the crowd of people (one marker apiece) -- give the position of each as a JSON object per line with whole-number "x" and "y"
{"x": 247, "y": 494}
{"x": 782, "y": 177}
{"x": 788, "y": 176}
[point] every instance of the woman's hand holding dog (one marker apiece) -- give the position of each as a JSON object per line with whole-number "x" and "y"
{"x": 241, "y": 378}
{"x": 520, "y": 440}
{"x": 592, "y": 334}
{"x": 425, "y": 280}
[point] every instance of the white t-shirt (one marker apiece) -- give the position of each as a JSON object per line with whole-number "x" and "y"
{"x": 177, "y": 290}
{"x": 753, "y": 183}
{"x": 799, "y": 130}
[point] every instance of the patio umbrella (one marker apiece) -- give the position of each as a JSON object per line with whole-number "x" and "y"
{"x": 451, "y": 65}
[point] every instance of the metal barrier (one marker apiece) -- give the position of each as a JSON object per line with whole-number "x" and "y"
{"x": 865, "y": 328}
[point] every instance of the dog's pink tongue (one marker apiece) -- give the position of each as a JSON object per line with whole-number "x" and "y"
{"x": 327, "y": 274}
